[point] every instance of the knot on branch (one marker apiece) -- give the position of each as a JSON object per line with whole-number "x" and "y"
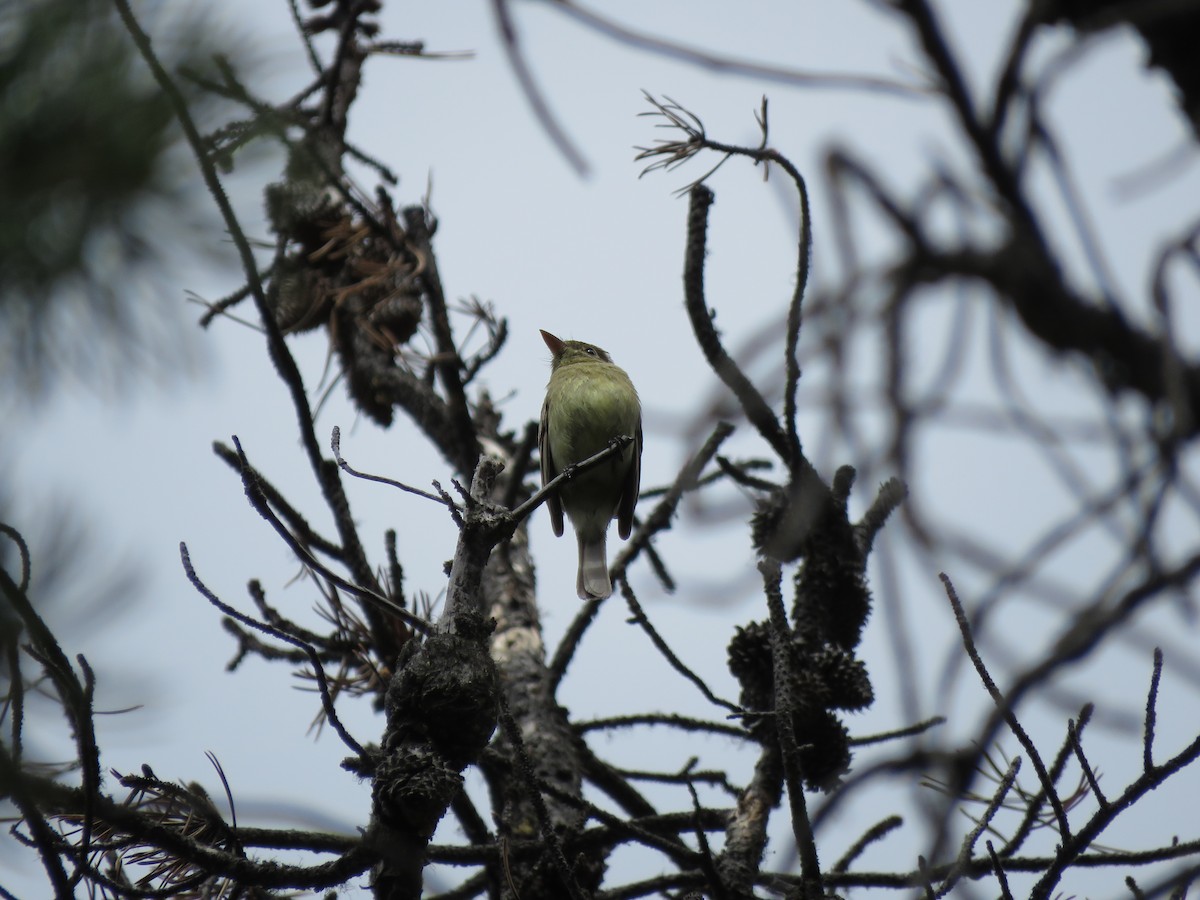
{"x": 412, "y": 788}
{"x": 441, "y": 707}
{"x": 446, "y": 694}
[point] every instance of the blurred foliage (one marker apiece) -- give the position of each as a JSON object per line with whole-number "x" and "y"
{"x": 97, "y": 215}
{"x": 91, "y": 207}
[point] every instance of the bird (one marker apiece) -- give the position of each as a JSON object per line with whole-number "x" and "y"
{"x": 590, "y": 402}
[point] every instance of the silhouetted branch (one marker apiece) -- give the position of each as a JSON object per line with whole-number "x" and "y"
{"x": 876, "y": 832}
{"x": 541, "y": 111}
{"x": 998, "y": 871}
{"x": 673, "y": 721}
{"x": 289, "y": 514}
{"x": 1077, "y": 747}
{"x": 752, "y": 402}
{"x": 1034, "y": 807}
{"x": 257, "y": 500}
{"x": 310, "y": 652}
{"x": 910, "y": 731}
{"x": 335, "y": 444}
{"x": 638, "y": 617}
{"x": 784, "y": 678}
{"x": 968, "y": 845}
{"x": 448, "y": 361}
{"x": 1151, "y": 713}
{"x": 720, "y": 62}
{"x": 1071, "y": 851}
{"x": 1005, "y": 708}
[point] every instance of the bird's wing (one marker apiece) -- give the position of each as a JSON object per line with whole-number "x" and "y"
{"x": 631, "y": 487}
{"x": 549, "y": 471}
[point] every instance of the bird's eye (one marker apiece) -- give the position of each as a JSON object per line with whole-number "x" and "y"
{"x": 591, "y": 351}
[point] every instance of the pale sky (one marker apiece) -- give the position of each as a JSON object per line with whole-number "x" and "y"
{"x": 599, "y": 258}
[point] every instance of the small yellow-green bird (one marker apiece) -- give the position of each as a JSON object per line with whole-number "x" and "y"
{"x": 589, "y": 402}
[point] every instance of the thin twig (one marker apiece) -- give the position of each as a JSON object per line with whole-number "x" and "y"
{"x": 1005, "y": 708}
{"x": 313, "y": 657}
{"x": 707, "y": 864}
{"x": 258, "y": 501}
{"x": 541, "y": 110}
{"x": 875, "y": 833}
{"x": 22, "y": 551}
{"x": 966, "y": 852}
{"x": 998, "y": 870}
{"x": 1034, "y": 807}
{"x": 1151, "y": 714}
{"x": 727, "y": 64}
{"x": 908, "y": 731}
{"x": 1093, "y": 782}
{"x": 640, "y": 619}
{"x": 335, "y": 444}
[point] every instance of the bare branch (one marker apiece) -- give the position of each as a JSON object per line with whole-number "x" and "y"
{"x": 784, "y": 678}
{"x": 1005, "y": 708}
{"x": 516, "y": 59}
{"x": 335, "y": 444}
{"x": 875, "y": 833}
{"x": 756, "y": 408}
{"x": 1151, "y": 712}
{"x": 309, "y": 651}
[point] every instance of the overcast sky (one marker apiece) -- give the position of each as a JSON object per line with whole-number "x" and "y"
{"x": 596, "y": 258}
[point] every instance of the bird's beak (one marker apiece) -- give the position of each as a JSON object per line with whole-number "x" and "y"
{"x": 556, "y": 346}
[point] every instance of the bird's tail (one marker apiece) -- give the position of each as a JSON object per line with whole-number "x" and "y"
{"x": 593, "y": 583}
